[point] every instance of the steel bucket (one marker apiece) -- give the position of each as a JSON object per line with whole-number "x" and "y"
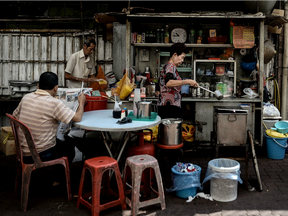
{"x": 170, "y": 131}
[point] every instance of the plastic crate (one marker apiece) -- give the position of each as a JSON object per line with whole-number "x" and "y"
{"x": 217, "y": 40}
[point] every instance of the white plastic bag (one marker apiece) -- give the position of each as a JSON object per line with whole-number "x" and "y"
{"x": 249, "y": 93}
{"x": 270, "y": 110}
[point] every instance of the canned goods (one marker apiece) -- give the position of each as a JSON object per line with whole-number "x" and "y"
{"x": 219, "y": 86}
{"x": 139, "y": 38}
{"x": 206, "y": 93}
{"x": 194, "y": 92}
{"x": 198, "y": 93}
{"x": 224, "y": 88}
{"x": 201, "y": 90}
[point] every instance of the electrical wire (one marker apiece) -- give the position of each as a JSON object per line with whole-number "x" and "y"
{"x": 276, "y": 92}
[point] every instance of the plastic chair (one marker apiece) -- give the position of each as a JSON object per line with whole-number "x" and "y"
{"x": 26, "y": 169}
{"x": 98, "y": 168}
{"x": 137, "y": 165}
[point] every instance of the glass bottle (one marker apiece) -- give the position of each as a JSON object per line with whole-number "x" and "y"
{"x": 162, "y": 36}
{"x": 151, "y": 37}
{"x": 191, "y": 38}
{"x": 166, "y": 39}
{"x": 158, "y": 36}
{"x": 147, "y": 37}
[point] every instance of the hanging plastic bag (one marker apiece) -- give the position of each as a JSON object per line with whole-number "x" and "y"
{"x": 124, "y": 87}
{"x": 270, "y": 110}
{"x": 188, "y": 132}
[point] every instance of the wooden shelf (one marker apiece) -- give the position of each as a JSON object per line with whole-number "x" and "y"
{"x": 188, "y": 45}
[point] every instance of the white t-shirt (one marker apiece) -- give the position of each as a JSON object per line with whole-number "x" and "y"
{"x": 80, "y": 67}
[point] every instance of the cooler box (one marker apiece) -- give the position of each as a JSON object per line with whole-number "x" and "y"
{"x": 231, "y": 125}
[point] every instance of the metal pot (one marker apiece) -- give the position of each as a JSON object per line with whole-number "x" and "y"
{"x": 143, "y": 109}
{"x": 170, "y": 131}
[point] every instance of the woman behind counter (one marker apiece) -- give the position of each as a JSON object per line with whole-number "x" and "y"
{"x": 169, "y": 99}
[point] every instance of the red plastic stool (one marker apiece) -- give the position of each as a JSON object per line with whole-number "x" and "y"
{"x": 137, "y": 165}
{"x": 97, "y": 166}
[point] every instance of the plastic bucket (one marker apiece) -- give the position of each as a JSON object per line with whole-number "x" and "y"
{"x": 223, "y": 190}
{"x": 185, "y": 193}
{"x": 95, "y": 102}
{"x": 276, "y": 147}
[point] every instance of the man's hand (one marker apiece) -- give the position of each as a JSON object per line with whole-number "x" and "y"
{"x": 89, "y": 80}
{"x": 81, "y": 99}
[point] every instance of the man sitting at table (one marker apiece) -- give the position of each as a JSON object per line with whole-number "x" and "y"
{"x": 41, "y": 111}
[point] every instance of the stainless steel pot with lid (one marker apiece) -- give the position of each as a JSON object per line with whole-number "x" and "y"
{"x": 170, "y": 131}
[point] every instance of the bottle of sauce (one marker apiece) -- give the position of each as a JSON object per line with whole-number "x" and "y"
{"x": 166, "y": 39}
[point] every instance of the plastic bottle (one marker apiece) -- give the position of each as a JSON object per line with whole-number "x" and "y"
{"x": 122, "y": 114}
{"x": 191, "y": 38}
{"x": 166, "y": 39}
{"x": 158, "y": 36}
{"x": 126, "y": 111}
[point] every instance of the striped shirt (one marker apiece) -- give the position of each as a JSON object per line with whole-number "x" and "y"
{"x": 41, "y": 113}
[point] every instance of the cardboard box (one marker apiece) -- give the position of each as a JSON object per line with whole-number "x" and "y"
{"x": 7, "y": 131}
{"x": 212, "y": 33}
{"x": 276, "y": 29}
{"x": 9, "y": 147}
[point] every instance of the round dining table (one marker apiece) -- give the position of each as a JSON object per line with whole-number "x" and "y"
{"x": 103, "y": 121}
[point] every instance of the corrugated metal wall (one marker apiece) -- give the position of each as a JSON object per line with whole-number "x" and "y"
{"x": 26, "y": 56}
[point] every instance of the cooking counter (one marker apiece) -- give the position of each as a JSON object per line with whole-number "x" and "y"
{"x": 200, "y": 111}
{"x": 225, "y": 99}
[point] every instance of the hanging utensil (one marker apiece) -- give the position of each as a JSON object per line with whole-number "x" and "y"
{"x": 217, "y": 93}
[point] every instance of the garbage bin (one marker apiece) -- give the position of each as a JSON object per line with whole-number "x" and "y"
{"x": 185, "y": 184}
{"x": 224, "y": 175}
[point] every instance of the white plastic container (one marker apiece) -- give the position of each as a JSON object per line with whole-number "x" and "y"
{"x": 224, "y": 190}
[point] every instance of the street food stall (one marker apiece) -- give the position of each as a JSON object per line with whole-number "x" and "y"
{"x": 226, "y": 54}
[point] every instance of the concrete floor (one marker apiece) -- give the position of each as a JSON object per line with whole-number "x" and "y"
{"x": 44, "y": 199}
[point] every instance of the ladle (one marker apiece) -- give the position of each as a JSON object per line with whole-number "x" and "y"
{"x": 217, "y": 93}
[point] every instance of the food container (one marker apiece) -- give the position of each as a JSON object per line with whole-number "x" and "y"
{"x": 220, "y": 69}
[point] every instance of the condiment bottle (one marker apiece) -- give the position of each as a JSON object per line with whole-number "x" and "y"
{"x": 123, "y": 114}
{"x": 166, "y": 39}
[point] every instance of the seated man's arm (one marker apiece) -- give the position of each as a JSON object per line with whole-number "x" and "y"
{"x": 79, "y": 113}
{"x": 16, "y": 112}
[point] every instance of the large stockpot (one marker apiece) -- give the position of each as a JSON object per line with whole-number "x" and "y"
{"x": 170, "y": 131}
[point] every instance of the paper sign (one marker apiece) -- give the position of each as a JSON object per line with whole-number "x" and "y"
{"x": 243, "y": 37}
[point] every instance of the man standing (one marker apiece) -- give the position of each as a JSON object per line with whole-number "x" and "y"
{"x": 80, "y": 66}
{"x": 41, "y": 111}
